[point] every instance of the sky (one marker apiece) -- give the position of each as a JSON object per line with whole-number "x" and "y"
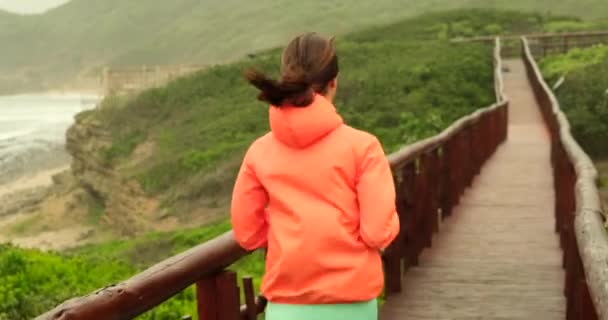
{"x": 30, "y": 6}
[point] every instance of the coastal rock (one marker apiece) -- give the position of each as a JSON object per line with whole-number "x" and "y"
{"x": 22, "y": 200}
{"x": 124, "y": 204}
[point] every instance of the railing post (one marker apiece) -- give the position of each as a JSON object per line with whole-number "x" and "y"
{"x": 485, "y": 139}
{"x": 206, "y": 298}
{"x": 410, "y": 226}
{"x": 399, "y": 245}
{"x": 421, "y": 203}
{"x": 456, "y": 167}
{"x": 218, "y": 297}
{"x": 429, "y": 166}
{"x": 475, "y": 150}
{"x": 392, "y": 271}
{"x": 434, "y": 182}
{"x": 586, "y": 307}
{"x": 446, "y": 186}
{"x": 495, "y": 129}
{"x": 393, "y": 256}
{"x": 468, "y": 158}
{"x": 250, "y": 304}
{"x": 505, "y": 122}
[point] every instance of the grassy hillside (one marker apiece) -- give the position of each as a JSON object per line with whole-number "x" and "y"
{"x": 196, "y": 129}
{"x": 74, "y": 41}
{"x": 182, "y": 143}
{"x": 402, "y": 82}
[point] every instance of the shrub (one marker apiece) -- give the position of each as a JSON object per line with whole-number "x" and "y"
{"x": 584, "y": 95}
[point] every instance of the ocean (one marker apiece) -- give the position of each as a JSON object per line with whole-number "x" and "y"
{"x": 32, "y": 132}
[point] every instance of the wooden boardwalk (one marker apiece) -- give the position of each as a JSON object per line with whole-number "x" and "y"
{"x": 497, "y": 256}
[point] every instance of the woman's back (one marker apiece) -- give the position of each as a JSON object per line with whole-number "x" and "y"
{"x": 319, "y": 195}
{"x": 321, "y": 248}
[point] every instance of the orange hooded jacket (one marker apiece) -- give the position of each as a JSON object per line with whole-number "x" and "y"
{"x": 320, "y": 196}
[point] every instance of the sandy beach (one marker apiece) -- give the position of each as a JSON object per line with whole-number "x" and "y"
{"x": 41, "y": 179}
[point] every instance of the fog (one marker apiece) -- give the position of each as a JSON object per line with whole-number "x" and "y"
{"x": 30, "y": 6}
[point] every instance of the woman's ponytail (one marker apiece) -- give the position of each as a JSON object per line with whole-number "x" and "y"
{"x": 278, "y": 93}
{"x": 308, "y": 65}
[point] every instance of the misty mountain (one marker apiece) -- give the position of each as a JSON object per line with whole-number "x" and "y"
{"x": 75, "y": 41}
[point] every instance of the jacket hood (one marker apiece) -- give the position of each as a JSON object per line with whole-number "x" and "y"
{"x": 300, "y": 127}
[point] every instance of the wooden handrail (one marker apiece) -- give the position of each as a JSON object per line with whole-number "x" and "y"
{"x": 153, "y": 286}
{"x": 578, "y": 211}
{"x": 415, "y": 150}
{"x": 534, "y": 36}
{"x": 430, "y": 177}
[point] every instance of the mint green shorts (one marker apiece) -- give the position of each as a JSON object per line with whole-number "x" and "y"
{"x": 348, "y": 311}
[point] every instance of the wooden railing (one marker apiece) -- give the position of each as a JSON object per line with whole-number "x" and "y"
{"x": 202, "y": 265}
{"x": 578, "y": 211}
{"x": 543, "y": 44}
{"x": 430, "y": 177}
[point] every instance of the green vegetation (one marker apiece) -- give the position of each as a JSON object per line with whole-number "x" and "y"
{"x": 33, "y": 282}
{"x": 70, "y": 45}
{"x": 573, "y": 25}
{"x": 584, "y": 95}
{"x": 402, "y": 82}
{"x": 576, "y": 59}
{"x": 395, "y": 83}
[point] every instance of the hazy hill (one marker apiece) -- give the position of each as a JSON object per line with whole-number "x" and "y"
{"x": 181, "y": 144}
{"x": 78, "y": 38}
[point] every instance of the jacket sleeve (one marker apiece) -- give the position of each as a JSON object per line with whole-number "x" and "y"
{"x": 379, "y": 222}
{"x": 249, "y": 201}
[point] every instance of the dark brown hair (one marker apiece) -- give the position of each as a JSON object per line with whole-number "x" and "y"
{"x": 308, "y": 65}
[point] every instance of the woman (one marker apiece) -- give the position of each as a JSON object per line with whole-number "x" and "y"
{"x": 318, "y": 194}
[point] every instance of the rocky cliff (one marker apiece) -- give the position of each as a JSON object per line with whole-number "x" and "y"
{"x": 123, "y": 202}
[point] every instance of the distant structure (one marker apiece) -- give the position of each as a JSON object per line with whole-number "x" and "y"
{"x": 129, "y": 80}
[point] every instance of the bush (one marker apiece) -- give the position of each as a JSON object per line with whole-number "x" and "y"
{"x": 584, "y": 95}
{"x": 33, "y": 282}
{"x": 576, "y": 59}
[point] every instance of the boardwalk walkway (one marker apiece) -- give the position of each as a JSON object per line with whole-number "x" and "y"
{"x": 497, "y": 257}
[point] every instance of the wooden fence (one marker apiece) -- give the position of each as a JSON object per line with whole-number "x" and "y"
{"x": 543, "y": 44}
{"x": 578, "y": 211}
{"x": 547, "y": 44}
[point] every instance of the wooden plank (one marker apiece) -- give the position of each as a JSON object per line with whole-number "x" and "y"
{"x": 497, "y": 256}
